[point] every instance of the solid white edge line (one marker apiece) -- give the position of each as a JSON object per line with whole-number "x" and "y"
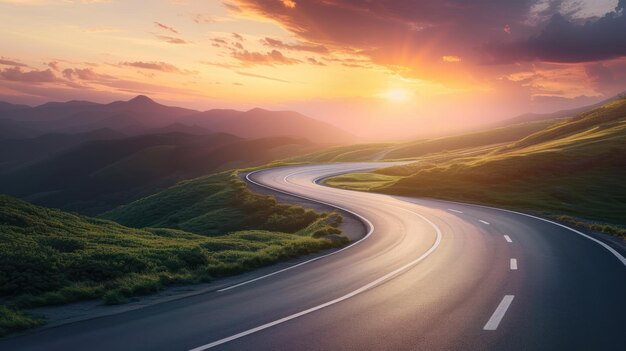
{"x": 621, "y": 258}
{"x": 513, "y": 264}
{"x": 507, "y": 238}
{"x": 498, "y": 314}
{"x": 367, "y": 223}
{"x": 484, "y": 222}
{"x": 457, "y": 211}
{"x": 339, "y": 299}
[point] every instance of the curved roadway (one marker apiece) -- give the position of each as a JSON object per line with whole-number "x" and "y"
{"x": 430, "y": 275}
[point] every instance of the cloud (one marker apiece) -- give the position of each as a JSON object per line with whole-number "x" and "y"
{"x": 238, "y": 36}
{"x": 450, "y": 59}
{"x": 270, "y": 58}
{"x": 165, "y": 27}
{"x": 320, "y": 49}
{"x": 313, "y": 61}
{"x": 156, "y": 66}
{"x": 261, "y": 76}
{"x": 171, "y": 40}
{"x": 54, "y": 65}
{"x": 564, "y": 40}
{"x": 16, "y": 74}
{"x": 87, "y": 74}
{"x": 7, "y": 62}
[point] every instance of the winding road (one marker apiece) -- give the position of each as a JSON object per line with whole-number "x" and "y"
{"x": 429, "y": 275}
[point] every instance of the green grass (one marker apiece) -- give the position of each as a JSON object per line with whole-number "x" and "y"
{"x": 12, "y": 320}
{"x": 212, "y": 205}
{"x": 350, "y": 153}
{"x": 465, "y": 141}
{"x": 216, "y": 228}
{"x": 361, "y": 181}
{"x": 576, "y": 167}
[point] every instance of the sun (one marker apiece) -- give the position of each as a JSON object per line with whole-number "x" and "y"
{"x": 396, "y": 95}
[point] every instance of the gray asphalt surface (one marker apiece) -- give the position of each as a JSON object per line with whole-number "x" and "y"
{"x": 432, "y": 275}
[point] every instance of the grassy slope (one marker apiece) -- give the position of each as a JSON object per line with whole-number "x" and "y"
{"x": 575, "y": 167}
{"x": 54, "y": 257}
{"x": 487, "y": 137}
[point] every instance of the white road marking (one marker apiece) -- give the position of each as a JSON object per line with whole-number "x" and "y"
{"x": 621, "y": 258}
{"x": 484, "y": 222}
{"x": 498, "y": 314}
{"x": 513, "y": 264}
{"x": 369, "y": 225}
{"x": 457, "y": 211}
{"x": 507, "y": 238}
{"x": 339, "y": 299}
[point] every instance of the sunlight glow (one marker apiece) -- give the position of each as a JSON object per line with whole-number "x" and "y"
{"x": 396, "y": 95}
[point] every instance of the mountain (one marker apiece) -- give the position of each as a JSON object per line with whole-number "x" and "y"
{"x": 5, "y": 106}
{"x": 142, "y": 115}
{"x": 95, "y": 176}
{"x": 257, "y": 123}
{"x": 575, "y": 167}
{"x": 15, "y": 152}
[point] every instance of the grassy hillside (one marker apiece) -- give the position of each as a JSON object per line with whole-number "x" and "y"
{"x": 211, "y": 205}
{"x": 96, "y": 176}
{"x": 487, "y": 137}
{"x": 576, "y": 167}
{"x": 350, "y": 153}
{"x": 54, "y": 257}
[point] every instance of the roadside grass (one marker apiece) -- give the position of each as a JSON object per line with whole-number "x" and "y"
{"x": 13, "y": 321}
{"x": 195, "y": 232}
{"x": 361, "y": 181}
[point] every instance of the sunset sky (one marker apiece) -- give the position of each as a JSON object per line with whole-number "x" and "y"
{"x": 381, "y": 69}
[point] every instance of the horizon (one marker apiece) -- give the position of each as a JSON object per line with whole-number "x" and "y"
{"x": 380, "y": 70}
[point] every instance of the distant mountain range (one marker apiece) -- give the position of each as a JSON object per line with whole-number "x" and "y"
{"x": 142, "y": 115}
{"x": 95, "y": 171}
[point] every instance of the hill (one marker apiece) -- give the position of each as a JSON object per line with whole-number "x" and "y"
{"x": 576, "y": 167}
{"x": 96, "y": 176}
{"x": 257, "y": 123}
{"x": 488, "y": 137}
{"x": 52, "y": 257}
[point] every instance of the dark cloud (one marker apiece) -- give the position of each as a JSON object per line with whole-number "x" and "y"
{"x": 83, "y": 74}
{"x": 238, "y": 36}
{"x": 320, "y": 49}
{"x": 313, "y": 61}
{"x": 270, "y": 58}
{"x": 166, "y": 27}
{"x": 156, "y": 66}
{"x": 7, "y": 62}
{"x": 16, "y": 74}
{"x": 564, "y": 40}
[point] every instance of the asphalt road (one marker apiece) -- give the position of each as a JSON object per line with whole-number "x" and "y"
{"x": 430, "y": 275}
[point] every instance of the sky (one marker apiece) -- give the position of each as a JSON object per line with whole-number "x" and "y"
{"x": 381, "y": 69}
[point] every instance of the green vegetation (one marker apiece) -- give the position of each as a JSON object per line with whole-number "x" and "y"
{"x": 361, "y": 181}
{"x": 12, "y": 321}
{"x": 212, "y": 205}
{"x": 350, "y": 153}
{"x": 576, "y": 167}
{"x": 465, "y": 141}
{"x": 216, "y": 227}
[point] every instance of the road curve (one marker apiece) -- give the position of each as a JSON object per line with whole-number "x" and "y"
{"x": 430, "y": 275}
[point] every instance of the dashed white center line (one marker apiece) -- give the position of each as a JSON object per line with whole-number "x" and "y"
{"x": 457, "y": 211}
{"x": 498, "y": 314}
{"x": 484, "y": 222}
{"x": 513, "y": 264}
{"x": 507, "y": 238}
